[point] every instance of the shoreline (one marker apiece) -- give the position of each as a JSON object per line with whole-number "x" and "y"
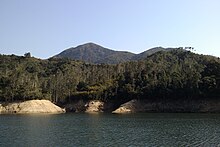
{"x": 30, "y": 107}
{"x": 97, "y": 106}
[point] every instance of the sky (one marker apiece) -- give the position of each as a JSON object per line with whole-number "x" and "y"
{"x": 47, "y": 27}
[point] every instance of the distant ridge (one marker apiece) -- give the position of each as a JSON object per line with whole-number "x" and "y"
{"x": 93, "y": 53}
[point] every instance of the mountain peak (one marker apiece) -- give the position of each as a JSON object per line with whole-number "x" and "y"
{"x": 93, "y": 53}
{"x": 89, "y": 45}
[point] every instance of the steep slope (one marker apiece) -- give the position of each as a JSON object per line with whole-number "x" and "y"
{"x": 93, "y": 53}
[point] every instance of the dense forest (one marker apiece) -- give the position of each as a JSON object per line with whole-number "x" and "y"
{"x": 176, "y": 74}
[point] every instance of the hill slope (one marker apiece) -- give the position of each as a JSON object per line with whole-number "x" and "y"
{"x": 174, "y": 79}
{"x": 149, "y": 52}
{"x": 93, "y": 53}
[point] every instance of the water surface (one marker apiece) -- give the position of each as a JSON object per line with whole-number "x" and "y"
{"x": 147, "y": 129}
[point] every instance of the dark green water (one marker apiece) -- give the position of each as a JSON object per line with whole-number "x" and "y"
{"x": 148, "y": 129}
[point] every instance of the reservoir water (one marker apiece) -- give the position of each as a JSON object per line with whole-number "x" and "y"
{"x": 79, "y": 129}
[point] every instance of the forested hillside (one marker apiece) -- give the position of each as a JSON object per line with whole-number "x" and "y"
{"x": 164, "y": 75}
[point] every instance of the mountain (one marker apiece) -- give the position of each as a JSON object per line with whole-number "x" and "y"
{"x": 93, "y": 53}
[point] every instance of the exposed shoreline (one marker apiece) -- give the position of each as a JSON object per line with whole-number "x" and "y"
{"x": 140, "y": 106}
{"x": 30, "y": 107}
{"x": 97, "y": 106}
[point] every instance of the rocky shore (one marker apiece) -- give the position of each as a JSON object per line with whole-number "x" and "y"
{"x": 30, "y": 106}
{"x": 91, "y": 106}
{"x": 138, "y": 106}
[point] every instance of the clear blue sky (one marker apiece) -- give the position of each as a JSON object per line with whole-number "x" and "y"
{"x": 47, "y": 27}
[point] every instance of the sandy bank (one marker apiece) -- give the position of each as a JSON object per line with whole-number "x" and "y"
{"x": 31, "y": 106}
{"x": 132, "y": 106}
{"x": 204, "y": 106}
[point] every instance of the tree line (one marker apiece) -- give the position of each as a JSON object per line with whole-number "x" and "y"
{"x": 172, "y": 75}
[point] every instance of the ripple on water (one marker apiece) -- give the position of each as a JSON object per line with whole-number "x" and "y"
{"x": 111, "y": 130}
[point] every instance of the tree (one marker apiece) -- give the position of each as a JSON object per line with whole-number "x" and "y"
{"x": 82, "y": 86}
{"x": 27, "y": 55}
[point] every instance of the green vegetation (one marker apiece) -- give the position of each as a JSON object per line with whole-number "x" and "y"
{"x": 163, "y": 76}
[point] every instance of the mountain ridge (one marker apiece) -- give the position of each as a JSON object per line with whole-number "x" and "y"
{"x": 97, "y": 54}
